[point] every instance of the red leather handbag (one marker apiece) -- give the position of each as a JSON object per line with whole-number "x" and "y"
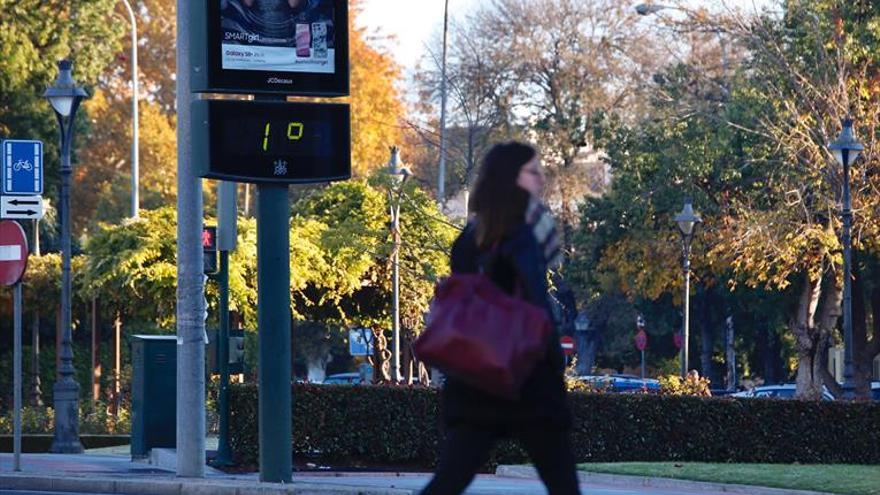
{"x": 482, "y": 336}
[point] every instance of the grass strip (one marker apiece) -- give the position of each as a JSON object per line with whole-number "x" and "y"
{"x": 841, "y": 479}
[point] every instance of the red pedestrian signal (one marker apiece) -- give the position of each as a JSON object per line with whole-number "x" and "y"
{"x": 209, "y": 238}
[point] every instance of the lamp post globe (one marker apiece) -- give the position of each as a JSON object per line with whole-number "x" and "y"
{"x": 399, "y": 174}
{"x": 65, "y": 96}
{"x": 687, "y": 221}
{"x": 846, "y": 148}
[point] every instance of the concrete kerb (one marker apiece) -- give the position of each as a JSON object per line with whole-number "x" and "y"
{"x": 529, "y": 472}
{"x": 179, "y": 486}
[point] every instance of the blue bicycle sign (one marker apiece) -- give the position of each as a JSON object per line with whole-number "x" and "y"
{"x": 21, "y": 172}
{"x": 22, "y": 165}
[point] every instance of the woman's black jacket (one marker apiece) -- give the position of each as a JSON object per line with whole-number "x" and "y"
{"x": 517, "y": 263}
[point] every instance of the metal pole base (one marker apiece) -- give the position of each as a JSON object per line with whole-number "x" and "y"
{"x": 273, "y": 321}
{"x": 66, "y": 403}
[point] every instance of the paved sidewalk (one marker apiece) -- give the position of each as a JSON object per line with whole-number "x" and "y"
{"x": 117, "y": 474}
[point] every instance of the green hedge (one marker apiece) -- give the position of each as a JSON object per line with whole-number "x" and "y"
{"x": 398, "y": 426}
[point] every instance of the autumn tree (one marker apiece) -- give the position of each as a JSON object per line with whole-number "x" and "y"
{"x": 810, "y": 68}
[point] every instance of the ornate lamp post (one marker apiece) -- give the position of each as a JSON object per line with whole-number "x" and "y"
{"x": 65, "y": 97}
{"x": 400, "y": 174}
{"x": 846, "y": 149}
{"x": 687, "y": 222}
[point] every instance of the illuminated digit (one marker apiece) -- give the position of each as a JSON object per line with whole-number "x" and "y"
{"x": 266, "y": 137}
{"x": 294, "y": 131}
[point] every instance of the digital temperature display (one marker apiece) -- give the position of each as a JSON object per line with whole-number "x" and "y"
{"x": 254, "y": 141}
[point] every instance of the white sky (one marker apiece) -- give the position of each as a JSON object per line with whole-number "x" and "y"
{"x": 413, "y": 22}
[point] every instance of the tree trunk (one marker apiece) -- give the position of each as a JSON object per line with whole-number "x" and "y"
{"x": 807, "y": 340}
{"x": 773, "y": 357}
{"x": 707, "y": 336}
{"x": 864, "y": 350}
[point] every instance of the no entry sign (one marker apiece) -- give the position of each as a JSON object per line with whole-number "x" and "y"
{"x": 567, "y": 344}
{"x": 13, "y": 252}
{"x": 641, "y": 340}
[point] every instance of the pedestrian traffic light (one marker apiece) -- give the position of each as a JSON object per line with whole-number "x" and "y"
{"x": 209, "y": 248}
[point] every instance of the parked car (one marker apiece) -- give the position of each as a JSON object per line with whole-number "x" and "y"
{"x": 343, "y": 379}
{"x": 624, "y": 384}
{"x": 777, "y": 391}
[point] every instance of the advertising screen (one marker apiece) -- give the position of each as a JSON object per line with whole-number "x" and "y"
{"x": 291, "y": 47}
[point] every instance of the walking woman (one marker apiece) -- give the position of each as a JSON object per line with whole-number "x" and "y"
{"x": 513, "y": 239}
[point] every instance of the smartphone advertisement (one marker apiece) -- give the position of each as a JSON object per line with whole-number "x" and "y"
{"x": 278, "y": 36}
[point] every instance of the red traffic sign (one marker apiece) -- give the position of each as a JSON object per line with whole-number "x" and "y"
{"x": 13, "y": 252}
{"x": 641, "y": 340}
{"x": 567, "y": 344}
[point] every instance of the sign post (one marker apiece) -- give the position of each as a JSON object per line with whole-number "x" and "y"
{"x": 227, "y": 235}
{"x": 641, "y": 340}
{"x": 13, "y": 261}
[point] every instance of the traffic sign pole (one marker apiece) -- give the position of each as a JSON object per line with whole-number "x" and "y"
{"x": 224, "y": 457}
{"x": 643, "y": 364}
{"x": 16, "y": 419}
{"x": 13, "y": 261}
{"x": 227, "y": 233}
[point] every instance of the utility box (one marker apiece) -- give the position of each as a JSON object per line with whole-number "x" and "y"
{"x": 153, "y": 393}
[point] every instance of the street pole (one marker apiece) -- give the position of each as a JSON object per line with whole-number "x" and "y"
{"x": 224, "y": 454}
{"x": 687, "y": 300}
{"x": 399, "y": 175}
{"x": 687, "y": 222}
{"x": 848, "y": 385}
{"x": 16, "y": 365}
{"x": 846, "y": 149}
{"x": 226, "y": 239}
{"x": 135, "y": 201}
{"x": 65, "y": 97}
{"x": 395, "y": 329}
{"x": 643, "y": 364}
{"x": 441, "y": 180}
{"x": 273, "y": 320}
{"x": 191, "y": 309}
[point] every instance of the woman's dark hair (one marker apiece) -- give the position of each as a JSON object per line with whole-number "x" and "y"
{"x": 498, "y": 203}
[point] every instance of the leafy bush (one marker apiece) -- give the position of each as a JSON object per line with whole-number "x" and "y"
{"x": 93, "y": 419}
{"x": 33, "y": 420}
{"x": 693, "y": 384}
{"x": 400, "y": 426}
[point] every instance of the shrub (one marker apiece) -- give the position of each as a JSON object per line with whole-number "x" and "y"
{"x": 379, "y": 425}
{"x": 93, "y": 419}
{"x": 693, "y": 384}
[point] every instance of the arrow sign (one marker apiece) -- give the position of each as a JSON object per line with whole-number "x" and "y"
{"x": 20, "y": 201}
{"x": 21, "y": 207}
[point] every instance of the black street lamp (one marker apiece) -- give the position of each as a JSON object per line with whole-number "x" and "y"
{"x": 65, "y": 97}
{"x": 846, "y": 149}
{"x": 687, "y": 222}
